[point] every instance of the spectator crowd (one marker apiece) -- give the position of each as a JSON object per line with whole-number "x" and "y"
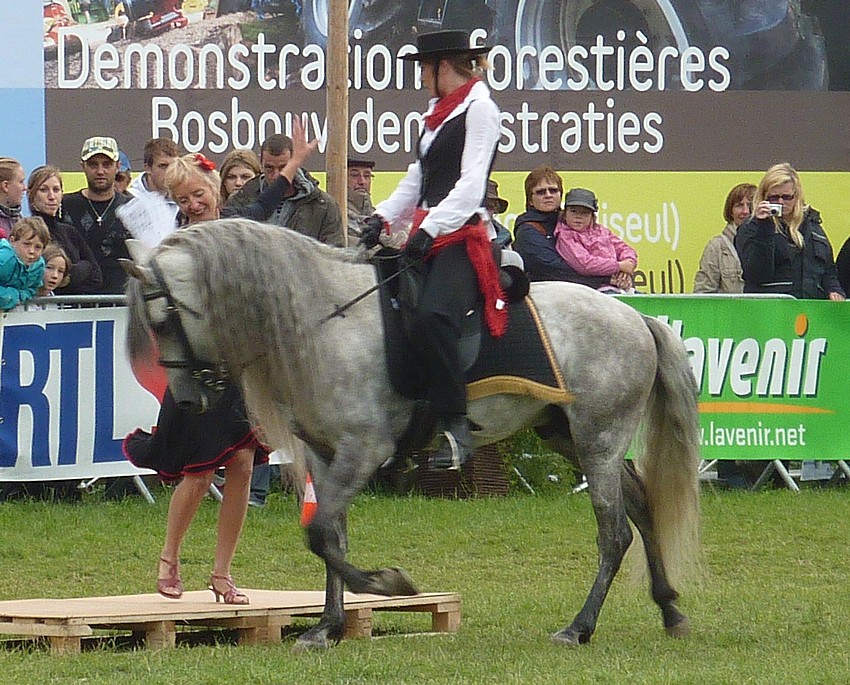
{"x": 772, "y": 240}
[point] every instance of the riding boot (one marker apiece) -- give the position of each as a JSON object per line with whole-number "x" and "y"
{"x": 455, "y": 444}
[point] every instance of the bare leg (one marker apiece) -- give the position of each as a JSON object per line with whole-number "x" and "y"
{"x": 184, "y": 503}
{"x": 234, "y": 505}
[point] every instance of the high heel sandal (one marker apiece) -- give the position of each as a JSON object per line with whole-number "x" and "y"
{"x": 230, "y": 594}
{"x": 170, "y": 587}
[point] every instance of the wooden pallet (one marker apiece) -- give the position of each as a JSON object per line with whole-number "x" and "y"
{"x": 65, "y": 622}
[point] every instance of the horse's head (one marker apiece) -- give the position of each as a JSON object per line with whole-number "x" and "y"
{"x": 164, "y": 304}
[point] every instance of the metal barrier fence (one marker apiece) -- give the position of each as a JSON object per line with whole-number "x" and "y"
{"x": 771, "y": 374}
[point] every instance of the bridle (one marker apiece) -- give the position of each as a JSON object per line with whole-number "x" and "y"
{"x": 212, "y": 375}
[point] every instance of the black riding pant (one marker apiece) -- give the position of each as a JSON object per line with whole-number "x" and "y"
{"x": 449, "y": 294}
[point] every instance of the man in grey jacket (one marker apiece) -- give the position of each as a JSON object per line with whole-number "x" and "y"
{"x": 306, "y": 209}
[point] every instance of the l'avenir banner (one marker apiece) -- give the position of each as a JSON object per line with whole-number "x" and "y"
{"x": 771, "y": 373}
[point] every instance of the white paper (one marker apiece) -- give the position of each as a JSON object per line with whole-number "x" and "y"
{"x": 148, "y": 217}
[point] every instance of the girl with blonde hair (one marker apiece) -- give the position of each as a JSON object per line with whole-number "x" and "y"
{"x": 191, "y": 447}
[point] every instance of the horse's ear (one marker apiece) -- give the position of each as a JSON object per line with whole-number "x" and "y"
{"x": 139, "y": 252}
{"x": 137, "y": 271}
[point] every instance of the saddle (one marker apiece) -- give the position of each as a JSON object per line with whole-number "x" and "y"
{"x": 519, "y": 362}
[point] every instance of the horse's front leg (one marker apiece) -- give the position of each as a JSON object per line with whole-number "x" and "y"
{"x": 331, "y": 626}
{"x": 337, "y": 484}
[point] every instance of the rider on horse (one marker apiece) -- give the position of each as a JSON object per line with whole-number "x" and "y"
{"x": 444, "y": 189}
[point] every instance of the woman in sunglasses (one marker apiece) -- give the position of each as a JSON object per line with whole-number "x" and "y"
{"x": 534, "y": 233}
{"x": 783, "y": 246}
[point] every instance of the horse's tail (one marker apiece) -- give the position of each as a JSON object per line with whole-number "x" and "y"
{"x": 669, "y": 461}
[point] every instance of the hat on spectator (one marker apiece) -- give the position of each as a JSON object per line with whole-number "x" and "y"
{"x": 447, "y": 42}
{"x": 100, "y": 145}
{"x": 579, "y": 197}
{"x": 500, "y": 204}
{"x": 123, "y": 162}
{"x": 361, "y": 162}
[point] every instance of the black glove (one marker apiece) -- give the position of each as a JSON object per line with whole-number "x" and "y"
{"x": 417, "y": 248}
{"x": 372, "y": 231}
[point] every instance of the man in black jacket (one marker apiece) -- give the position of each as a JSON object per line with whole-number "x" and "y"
{"x": 92, "y": 211}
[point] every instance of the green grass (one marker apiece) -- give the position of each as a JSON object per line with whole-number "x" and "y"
{"x": 773, "y": 608}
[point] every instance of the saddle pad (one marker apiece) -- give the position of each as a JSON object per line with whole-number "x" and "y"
{"x": 521, "y": 362}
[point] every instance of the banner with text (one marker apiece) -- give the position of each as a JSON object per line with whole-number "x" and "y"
{"x": 67, "y": 395}
{"x": 771, "y": 373}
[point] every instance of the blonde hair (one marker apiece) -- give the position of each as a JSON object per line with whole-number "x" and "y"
{"x": 39, "y": 176}
{"x": 193, "y": 166}
{"x": 51, "y": 252}
{"x": 8, "y": 168}
{"x": 32, "y": 225}
{"x": 777, "y": 175}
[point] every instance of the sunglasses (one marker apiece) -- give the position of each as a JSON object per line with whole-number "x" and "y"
{"x": 786, "y": 197}
{"x": 551, "y": 190}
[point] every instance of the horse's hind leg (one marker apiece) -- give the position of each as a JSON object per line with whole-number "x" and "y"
{"x": 637, "y": 508}
{"x": 614, "y": 539}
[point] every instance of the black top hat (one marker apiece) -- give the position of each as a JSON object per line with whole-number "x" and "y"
{"x": 361, "y": 162}
{"x": 449, "y": 42}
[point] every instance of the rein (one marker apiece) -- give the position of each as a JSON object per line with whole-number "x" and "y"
{"x": 340, "y": 310}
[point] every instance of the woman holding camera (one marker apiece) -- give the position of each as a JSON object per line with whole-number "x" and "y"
{"x": 783, "y": 247}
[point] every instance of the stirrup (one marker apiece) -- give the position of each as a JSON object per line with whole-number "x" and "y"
{"x": 455, "y": 449}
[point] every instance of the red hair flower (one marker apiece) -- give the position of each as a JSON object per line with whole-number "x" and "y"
{"x": 204, "y": 163}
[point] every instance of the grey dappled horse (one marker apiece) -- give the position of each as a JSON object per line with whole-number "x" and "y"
{"x": 252, "y": 301}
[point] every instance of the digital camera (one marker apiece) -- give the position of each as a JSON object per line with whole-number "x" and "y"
{"x": 775, "y": 209}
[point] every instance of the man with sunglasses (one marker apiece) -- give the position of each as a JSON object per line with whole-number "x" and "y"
{"x": 534, "y": 235}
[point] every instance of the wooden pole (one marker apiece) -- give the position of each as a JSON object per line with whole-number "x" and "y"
{"x": 336, "y": 158}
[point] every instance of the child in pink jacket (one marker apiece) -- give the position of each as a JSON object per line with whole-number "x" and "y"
{"x": 589, "y": 247}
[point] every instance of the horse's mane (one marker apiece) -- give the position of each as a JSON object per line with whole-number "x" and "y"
{"x": 247, "y": 271}
{"x": 260, "y": 288}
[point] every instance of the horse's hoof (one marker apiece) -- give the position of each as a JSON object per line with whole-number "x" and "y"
{"x": 681, "y": 629}
{"x": 303, "y": 646}
{"x": 568, "y": 637}
{"x": 402, "y": 582}
{"x": 313, "y": 640}
{"x": 391, "y": 582}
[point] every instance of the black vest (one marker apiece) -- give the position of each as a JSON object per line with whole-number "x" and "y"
{"x": 441, "y": 164}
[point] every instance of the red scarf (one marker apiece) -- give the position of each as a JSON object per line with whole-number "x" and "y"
{"x": 447, "y": 104}
{"x": 481, "y": 257}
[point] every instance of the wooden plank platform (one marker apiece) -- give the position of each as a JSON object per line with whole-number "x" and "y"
{"x": 65, "y": 622}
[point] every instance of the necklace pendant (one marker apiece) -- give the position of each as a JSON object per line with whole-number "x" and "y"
{"x": 100, "y": 221}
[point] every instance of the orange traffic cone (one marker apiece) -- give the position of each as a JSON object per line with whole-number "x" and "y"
{"x": 310, "y": 504}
